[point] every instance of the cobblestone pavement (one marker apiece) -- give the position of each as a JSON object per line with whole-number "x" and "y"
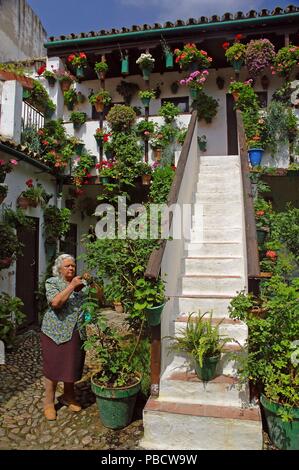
{"x": 22, "y": 423}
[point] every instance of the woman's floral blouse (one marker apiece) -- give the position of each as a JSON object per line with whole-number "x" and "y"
{"x": 59, "y": 324}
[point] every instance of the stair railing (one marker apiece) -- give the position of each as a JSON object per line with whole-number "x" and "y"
{"x": 155, "y": 260}
{"x": 253, "y": 265}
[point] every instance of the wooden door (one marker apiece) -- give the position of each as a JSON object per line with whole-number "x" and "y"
{"x": 27, "y": 271}
{"x": 232, "y": 134}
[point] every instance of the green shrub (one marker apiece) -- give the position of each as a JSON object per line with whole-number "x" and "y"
{"x": 11, "y": 316}
{"x": 121, "y": 118}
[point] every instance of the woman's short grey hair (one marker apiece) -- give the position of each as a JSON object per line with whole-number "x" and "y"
{"x": 58, "y": 262}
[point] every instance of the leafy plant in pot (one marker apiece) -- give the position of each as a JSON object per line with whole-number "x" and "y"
{"x": 11, "y": 316}
{"x": 78, "y": 119}
{"x": 10, "y": 246}
{"x": 149, "y": 297}
{"x": 201, "y": 341}
{"x": 101, "y": 68}
{"x": 100, "y": 99}
{"x": 117, "y": 383}
{"x": 272, "y": 360}
{"x": 127, "y": 90}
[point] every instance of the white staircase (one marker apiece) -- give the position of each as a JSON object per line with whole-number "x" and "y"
{"x": 190, "y": 414}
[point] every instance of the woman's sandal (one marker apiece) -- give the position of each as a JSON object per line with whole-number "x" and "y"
{"x": 50, "y": 412}
{"x": 71, "y": 404}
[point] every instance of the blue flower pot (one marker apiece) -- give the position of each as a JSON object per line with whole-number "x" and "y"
{"x": 125, "y": 66}
{"x": 169, "y": 60}
{"x": 255, "y": 156}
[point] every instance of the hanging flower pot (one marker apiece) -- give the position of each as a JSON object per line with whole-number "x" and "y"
{"x": 153, "y": 314}
{"x": 255, "y": 156}
{"x": 99, "y": 105}
{"x": 145, "y": 102}
{"x": 193, "y": 93}
{"x": 5, "y": 262}
{"x": 236, "y": 95}
{"x": 146, "y": 180}
{"x": 65, "y": 85}
{"x": 146, "y": 73}
{"x": 23, "y": 202}
{"x": 80, "y": 72}
{"x": 157, "y": 154}
{"x": 237, "y": 64}
{"x": 169, "y": 60}
{"x": 125, "y": 66}
{"x": 79, "y": 148}
{"x": 105, "y": 179}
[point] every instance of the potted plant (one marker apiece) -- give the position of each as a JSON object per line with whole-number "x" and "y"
{"x": 78, "y": 119}
{"x": 146, "y": 63}
{"x": 106, "y": 171}
{"x": 56, "y": 226}
{"x": 101, "y": 68}
{"x": 145, "y": 128}
{"x": 70, "y": 98}
{"x": 146, "y": 96}
{"x": 235, "y": 53}
{"x": 272, "y": 360}
{"x": 3, "y": 192}
{"x": 121, "y": 118}
{"x": 100, "y": 99}
{"x": 117, "y": 383}
{"x": 101, "y": 136}
{"x": 50, "y": 76}
{"x": 167, "y": 53}
{"x": 169, "y": 112}
{"x": 11, "y": 317}
{"x": 77, "y": 145}
{"x": 285, "y": 61}
{"x": 202, "y": 143}
{"x": 145, "y": 170}
{"x": 79, "y": 62}
{"x": 150, "y": 298}
{"x": 124, "y": 58}
{"x": 192, "y": 58}
{"x": 181, "y": 135}
{"x": 255, "y": 150}
{"x": 259, "y": 55}
{"x": 10, "y": 246}
{"x": 34, "y": 194}
{"x": 157, "y": 143}
{"x": 201, "y": 341}
{"x": 65, "y": 78}
{"x": 108, "y": 148}
{"x": 243, "y": 94}
{"x": 82, "y": 167}
{"x": 127, "y": 90}
{"x": 195, "y": 82}
{"x": 6, "y": 167}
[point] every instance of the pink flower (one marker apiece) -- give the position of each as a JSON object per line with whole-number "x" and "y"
{"x": 14, "y": 162}
{"x": 2, "y": 162}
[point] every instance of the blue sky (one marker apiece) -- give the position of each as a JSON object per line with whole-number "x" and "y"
{"x": 66, "y": 16}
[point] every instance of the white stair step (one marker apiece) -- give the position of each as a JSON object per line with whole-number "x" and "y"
{"x": 171, "y": 426}
{"x": 218, "y": 304}
{"x": 221, "y": 209}
{"x": 214, "y": 249}
{"x": 223, "y": 390}
{"x": 218, "y": 160}
{"x": 226, "y": 234}
{"x": 210, "y": 284}
{"x": 214, "y": 220}
{"x": 212, "y": 186}
{"x": 218, "y": 197}
{"x": 222, "y": 266}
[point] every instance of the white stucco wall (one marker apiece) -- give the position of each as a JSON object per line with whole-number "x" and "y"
{"x": 215, "y": 132}
{"x": 22, "y": 34}
{"x": 16, "y": 184}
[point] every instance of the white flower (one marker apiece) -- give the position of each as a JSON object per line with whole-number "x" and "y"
{"x": 145, "y": 59}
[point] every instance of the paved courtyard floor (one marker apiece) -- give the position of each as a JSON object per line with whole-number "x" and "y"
{"x": 22, "y": 423}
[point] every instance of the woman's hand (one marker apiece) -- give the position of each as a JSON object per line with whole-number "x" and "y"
{"x": 77, "y": 283}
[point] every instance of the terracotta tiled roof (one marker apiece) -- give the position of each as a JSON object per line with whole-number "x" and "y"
{"x": 23, "y": 151}
{"x": 239, "y": 15}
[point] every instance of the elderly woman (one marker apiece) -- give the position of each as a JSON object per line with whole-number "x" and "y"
{"x": 62, "y": 334}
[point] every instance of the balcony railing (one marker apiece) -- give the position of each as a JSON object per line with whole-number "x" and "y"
{"x": 31, "y": 117}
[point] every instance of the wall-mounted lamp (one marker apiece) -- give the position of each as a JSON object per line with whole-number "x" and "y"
{"x": 265, "y": 82}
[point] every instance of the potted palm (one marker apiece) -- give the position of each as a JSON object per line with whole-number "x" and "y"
{"x": 117, "y": 383}
{"x": 100, "y": 99}
{"x": 201, "y": 341}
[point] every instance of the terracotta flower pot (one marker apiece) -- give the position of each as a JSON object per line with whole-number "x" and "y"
{"x": 236, "y": 95}
{"x": 118, "y": 307}
{"x": 158, "y": 154}
{"x": 65, "y": 85}
{"x": 146, "y": 180}
{"x": 99, "y": 105}
{"x": 23, "y": 202}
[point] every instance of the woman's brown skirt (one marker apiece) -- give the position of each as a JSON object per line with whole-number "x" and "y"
{"x": 63, "y": 362}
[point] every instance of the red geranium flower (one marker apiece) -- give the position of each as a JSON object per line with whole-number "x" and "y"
{"x": 29, "y": 183}
{"x": 259, "y": 213}
{"x": 225, "y": 45}
{"x": 238, "y": 37}
{"x": 271, "y": 254}
{"x": 41, "y": 69}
